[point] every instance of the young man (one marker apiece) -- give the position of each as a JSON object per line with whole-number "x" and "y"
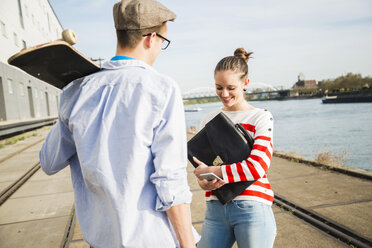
{"x": 122, "y": 131}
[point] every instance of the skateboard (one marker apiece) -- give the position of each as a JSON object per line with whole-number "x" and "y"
{"x": 55, "y": 62}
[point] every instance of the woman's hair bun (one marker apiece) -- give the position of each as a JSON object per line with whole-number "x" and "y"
{"x": 242, "y": 53}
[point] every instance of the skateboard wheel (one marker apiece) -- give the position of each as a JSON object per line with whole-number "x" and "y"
{"x": 69, "y": 36}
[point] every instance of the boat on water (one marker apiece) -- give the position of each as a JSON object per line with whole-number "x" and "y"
{"x": 347, "y": 99}
{"x": 193, "y": 109}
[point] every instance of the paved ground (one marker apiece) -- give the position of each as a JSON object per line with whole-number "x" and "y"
{"x": 291, "y": 231}
{"x": 345, "y": 199}
{"x": 342, "y": 198}
{"x": 38, "y": 213}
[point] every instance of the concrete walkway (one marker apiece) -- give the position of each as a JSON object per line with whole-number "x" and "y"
{"x": 345, "y": 199}
{"x": 291, "y": 232}
{"x": 342, "y": 198}
{"x": 38, "y": 213}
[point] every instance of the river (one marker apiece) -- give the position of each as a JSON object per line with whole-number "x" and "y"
{"x": 308, "y": 127}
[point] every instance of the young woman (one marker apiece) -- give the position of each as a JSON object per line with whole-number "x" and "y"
{"x": 248, "y": 219}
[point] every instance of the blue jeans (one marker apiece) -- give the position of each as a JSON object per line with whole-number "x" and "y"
{"x": 249, "y": 223}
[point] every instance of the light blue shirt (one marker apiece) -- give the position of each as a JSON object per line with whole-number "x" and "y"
{"x": 122, "y": 130}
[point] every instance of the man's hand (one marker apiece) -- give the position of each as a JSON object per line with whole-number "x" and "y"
{"x": 203, "y": 183}
{"x": 180, "y": 218}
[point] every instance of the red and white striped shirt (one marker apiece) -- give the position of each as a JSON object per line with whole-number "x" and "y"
{"x": 259, "y": 123}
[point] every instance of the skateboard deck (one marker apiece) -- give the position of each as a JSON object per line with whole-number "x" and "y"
{"x": 56, "y": 63}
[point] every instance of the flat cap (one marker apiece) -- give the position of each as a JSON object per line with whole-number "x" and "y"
{"x": 140, "y": 14}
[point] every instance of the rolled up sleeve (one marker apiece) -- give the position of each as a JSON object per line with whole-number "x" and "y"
{"x": 58, "y": 148}
{"x": 170, "y": 155}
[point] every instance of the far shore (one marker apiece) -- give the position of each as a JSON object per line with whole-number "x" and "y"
{"x": 215, "y": 99}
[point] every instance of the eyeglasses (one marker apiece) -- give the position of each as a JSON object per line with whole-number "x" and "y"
{"x": 165, "y": 43}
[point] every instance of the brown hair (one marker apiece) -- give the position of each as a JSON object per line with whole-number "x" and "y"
{"x": 130, "y": 38}
{"x": 236, "y": 63}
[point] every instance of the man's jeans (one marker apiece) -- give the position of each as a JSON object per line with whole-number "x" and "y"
{"x": 250, "y": 223}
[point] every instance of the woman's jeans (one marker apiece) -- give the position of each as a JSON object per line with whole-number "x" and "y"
{"x": 250, "y": 223}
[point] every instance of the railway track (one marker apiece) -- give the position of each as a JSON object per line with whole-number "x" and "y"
{"x": 20, "y": 150}
{"x": 31, "y": 202}
{"x": 324, "y": 224}
{"x": 12, "y": 188}
{"x": 28, "y": 170}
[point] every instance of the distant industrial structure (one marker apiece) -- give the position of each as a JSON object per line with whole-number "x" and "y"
{"x": 23, "y": 24}
{"x": 305, "y": 88}
{"x": 302, "y": 82}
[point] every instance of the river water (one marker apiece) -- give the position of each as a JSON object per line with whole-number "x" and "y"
{"x": 308, "y": 127}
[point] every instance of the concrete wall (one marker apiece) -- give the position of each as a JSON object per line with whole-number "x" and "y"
{"x": 25, "y": 96}
{"x": 2, "y": 100}
{"x": 26, "y": 23}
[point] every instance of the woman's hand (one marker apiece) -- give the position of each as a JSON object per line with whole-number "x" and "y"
{"x": 210, "y": 185}
{"x": 204, "y": 183}
{"x": 201, "y": 169}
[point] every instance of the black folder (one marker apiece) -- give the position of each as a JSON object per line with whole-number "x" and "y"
{"x": 222, "y": 142}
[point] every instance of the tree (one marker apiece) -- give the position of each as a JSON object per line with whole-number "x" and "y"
{"x": 347, "y": 83}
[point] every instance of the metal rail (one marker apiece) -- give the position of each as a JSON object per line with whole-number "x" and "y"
{"x": 21, "y": 150}
{"x": 69, "y": 231}
{"x": 334, "y": 229}
{"x": 11, "y": 189}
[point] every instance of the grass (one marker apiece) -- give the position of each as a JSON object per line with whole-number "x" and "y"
{"x": 329, "y": 158}
{"x": 11, "y": 141}
{"x": 323, "y": 159}
{"x": 14, "y": 140}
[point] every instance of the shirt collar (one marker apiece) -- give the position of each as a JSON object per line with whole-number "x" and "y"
{"x": 121, "y": 57}
{"x": 118, "y": 64}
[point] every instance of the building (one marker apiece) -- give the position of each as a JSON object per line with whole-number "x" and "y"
{"x": 25, "y": 23}
{"x": 306, "y": 84}
{"x": 302, "y": 83}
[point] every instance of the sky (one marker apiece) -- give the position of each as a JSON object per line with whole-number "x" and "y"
{"x": 322, "y": 39}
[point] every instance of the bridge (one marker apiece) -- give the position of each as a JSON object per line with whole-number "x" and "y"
{"x": 199, "y": 93}
{"x": 258, "y": 91}
{"x": 262, "y": 87}
{"x": 266, "y": 91}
